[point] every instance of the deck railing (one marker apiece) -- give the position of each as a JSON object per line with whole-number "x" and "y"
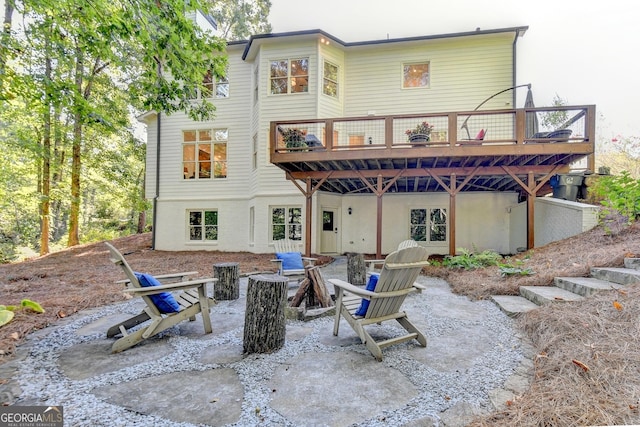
{"x": 565, "y": 124}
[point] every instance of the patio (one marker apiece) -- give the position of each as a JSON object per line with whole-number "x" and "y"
{"x": 473, "y": 364}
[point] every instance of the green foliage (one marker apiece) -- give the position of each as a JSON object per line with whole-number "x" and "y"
{"x": 237, "y": 20}
{"x": 7, "y": 312}
{"x": 74, "y": 73}
{"x": 619, "y": 196}
{"x": 293, "y": 138}
{"x": 508, "y": 269}
{"x": 470, "y": 261}
{"x": 5, "y": 316}
{"x": 29, "y": 305}
{"x": 555, "y": 119}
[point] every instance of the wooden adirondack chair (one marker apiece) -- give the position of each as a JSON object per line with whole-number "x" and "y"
{"x": 402, "y": 245}
{"x": 291, "y": 247}
{"x": 191, "y": 301}
{"x": 397, "y": 279}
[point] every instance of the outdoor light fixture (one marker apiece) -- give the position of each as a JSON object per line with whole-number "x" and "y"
{"x": 349, "y": 211}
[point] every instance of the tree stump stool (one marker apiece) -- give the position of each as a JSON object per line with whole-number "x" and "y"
{"x": 264, "y": 321}
{"x": 228, "y": 285}
{"x": 356, "y": 269}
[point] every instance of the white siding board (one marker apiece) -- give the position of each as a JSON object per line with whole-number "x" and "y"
{"x": 463, "y": 74}
{"x": 284, "y": 107}
{"x": 231, "y": 113}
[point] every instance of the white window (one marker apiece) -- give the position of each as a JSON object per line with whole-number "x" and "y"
{"x": 221, "y": 87}
{"x": 203, "y": 225}
{"x": 252, "y": 225}
{"x": 415, "y": 75}
{"x": 428, "y": 225}
{"x": 204, "y": 151}
{"x": 289, "y": 76}
{"x": 286, "y": 223}
{"x": 254, "y": 154}
{"x": 255, "y": 84}
{"x": 330, "y": 79}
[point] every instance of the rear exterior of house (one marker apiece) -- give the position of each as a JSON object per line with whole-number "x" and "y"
{"x": 214, "y": 185}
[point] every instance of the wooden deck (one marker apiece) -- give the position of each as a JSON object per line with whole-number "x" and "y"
{"x": 344, "y": 153}
{"x": 373, "y": 155}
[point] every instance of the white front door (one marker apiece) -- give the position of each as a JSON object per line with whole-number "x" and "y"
{"x": 329, "y": 236}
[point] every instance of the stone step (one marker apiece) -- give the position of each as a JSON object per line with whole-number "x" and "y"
{"x": 548, "y": 294}
{"x": 623, "y": 276}
{"x": 585, "y": 286}
{"x": 513, "y": 305}
{"x": 633, "y": 263}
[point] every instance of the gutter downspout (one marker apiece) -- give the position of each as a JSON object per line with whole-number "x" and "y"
{"x": 157, "y": 189}
{"x": 514, "y": 68}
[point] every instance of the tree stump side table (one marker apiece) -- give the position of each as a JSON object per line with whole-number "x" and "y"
{"x": 264, "y": 322}
{"x": 228, "y": 285}
{"x": 356, "y": 269}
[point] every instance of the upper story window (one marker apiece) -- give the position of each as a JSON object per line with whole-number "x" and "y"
{"x": 289, "y": 76}
{"x": 204, "y": 151}
{"x": 415, "y": 75}
{"x": 330, "y": 79}
{"x": 256, "y": 80}
{"x": 428, "y": 225}
{"x": 220, "y": 87}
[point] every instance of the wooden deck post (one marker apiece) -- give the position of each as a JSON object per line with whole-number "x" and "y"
{"x": 531, "y": 203}
{"x": 452, "y": 215}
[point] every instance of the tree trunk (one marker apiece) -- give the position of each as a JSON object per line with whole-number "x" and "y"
{"x": 46, "y": 158}
{"x": 264, "y": 324}
{"x": 228, "y": 285}
{"x": 74, "y": 213}
{"x": 142, "y": 214}
{"x": 4, "y": 40}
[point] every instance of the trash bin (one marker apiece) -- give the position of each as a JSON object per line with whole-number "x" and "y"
{"x": 566, "y": 187}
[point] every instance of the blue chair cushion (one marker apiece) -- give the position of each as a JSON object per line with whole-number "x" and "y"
{"x": 371, "y": 286}
{"x": 164, "y": 301}
{"x": 290, "y": 260}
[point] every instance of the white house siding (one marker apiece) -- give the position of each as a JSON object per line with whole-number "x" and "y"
{"x": 262, "y": 208}
{"x": 253, "y": 122}
{"x": 463, "y": 72}
{"x": 555, "y": 219}
{"x": 284, "y": 107}
{"x": 482, "y": 220}
{"x": 172, "y": 233}
{"x": 328, "y": 106}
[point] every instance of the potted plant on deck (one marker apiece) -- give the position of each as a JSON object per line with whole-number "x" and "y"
{"x": 294, "y": 138}
{"x": 421, "y": 133}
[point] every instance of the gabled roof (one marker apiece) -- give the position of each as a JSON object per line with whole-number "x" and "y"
{"x": 255, "y": 41}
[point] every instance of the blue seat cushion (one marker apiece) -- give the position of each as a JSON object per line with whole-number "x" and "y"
{"x": 290, "y": 260}
{"x": 164, "y": 301}
{"x": 371, "y": 286}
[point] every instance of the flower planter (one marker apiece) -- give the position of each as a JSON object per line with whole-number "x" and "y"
{"x": 418, "y": 138}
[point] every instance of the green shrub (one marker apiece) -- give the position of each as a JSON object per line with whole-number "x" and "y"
{"x": 620, "y": 196}
{"x": 470, "y": 261}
